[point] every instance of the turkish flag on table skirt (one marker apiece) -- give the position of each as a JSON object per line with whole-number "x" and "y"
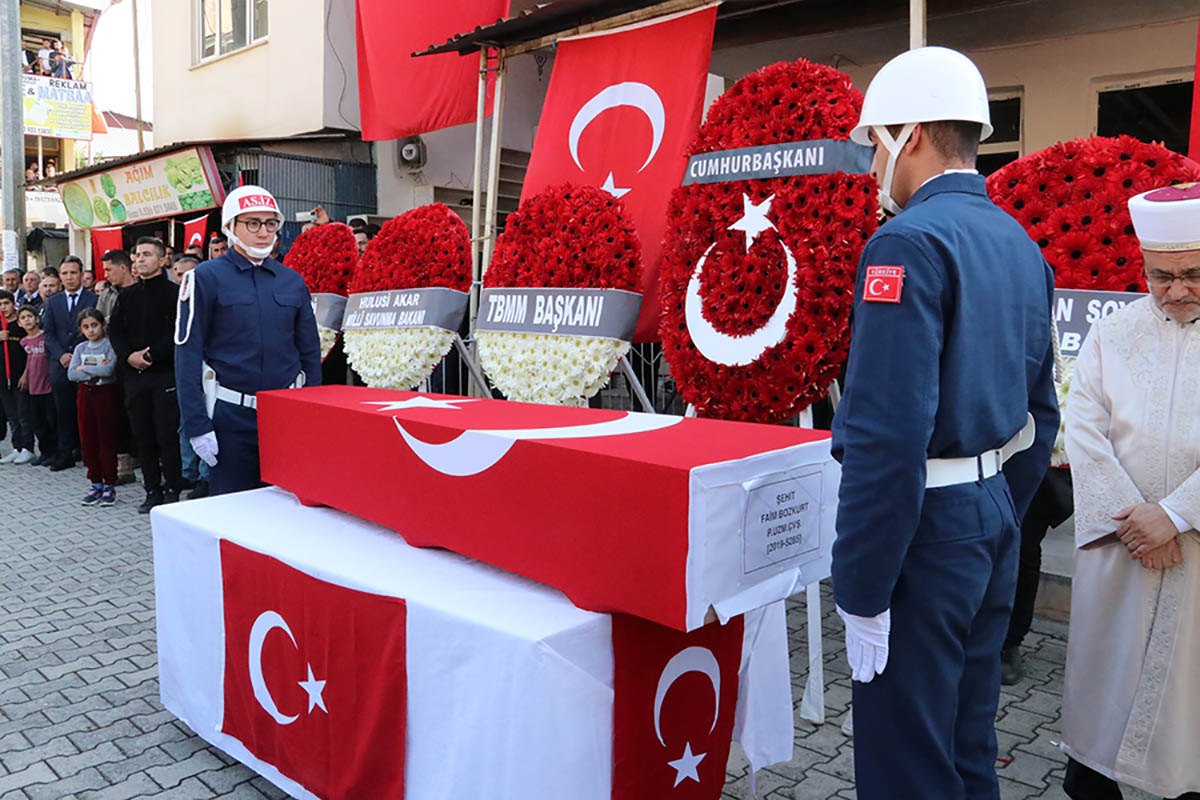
{"x": 674, "y": 697}
{"x": 402, "y": 96}
{"x": 315, "y": 679}
{"x": 195, "y": 232}
{"x": 620, "y": 111}
{"x": 103, "y": 240}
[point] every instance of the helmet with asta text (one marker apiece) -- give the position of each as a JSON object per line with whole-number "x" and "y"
{"x": 244, "y": 200}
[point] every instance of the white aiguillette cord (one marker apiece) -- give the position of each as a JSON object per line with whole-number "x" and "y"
{"x": 187, "y": 290}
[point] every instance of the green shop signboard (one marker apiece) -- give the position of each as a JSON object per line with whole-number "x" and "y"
{"x": 185, "y": 180}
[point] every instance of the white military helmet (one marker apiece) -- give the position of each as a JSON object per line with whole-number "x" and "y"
{"x": 928, "y": 84}
{"x": 244, "y": 200}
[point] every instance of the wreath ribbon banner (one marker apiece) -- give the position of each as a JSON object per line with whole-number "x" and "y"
{"x": 781, "y": 160}
{"x": 1076, "y": 310}
{"x": 329, "y": 309}
{"x": 560, "y": 311}
{"x": 426, "y": 307}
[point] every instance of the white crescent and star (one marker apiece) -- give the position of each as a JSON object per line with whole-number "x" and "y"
{"x": 630, "y": 93}
{"x": 738, "y": 351}
{"x": 690, "y": 659}
{"x": 474, "y": 451}
{"x": 871, "y": 286}
{"x": 266, "y": 622}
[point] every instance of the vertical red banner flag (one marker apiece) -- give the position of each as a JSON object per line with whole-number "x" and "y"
{"x": 103, "y": 240}
{"x": 399, "y": 95}
{"x": 620, "y": 111}
{"x": 315, "y": 680}
{"x": 1194, "y": 138}
{"x": 674, "y": 698}
{"x": 195, "y": 232}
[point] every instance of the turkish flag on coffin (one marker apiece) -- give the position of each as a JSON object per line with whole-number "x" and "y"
{"x": 315, "y": 679}
{"x": 674, "y": 696}
{"x": 402, "y": 96}
{"x": 620, "y": 111}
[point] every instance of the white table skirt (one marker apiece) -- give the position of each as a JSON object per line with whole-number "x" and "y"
{"x": 460, "y": 613}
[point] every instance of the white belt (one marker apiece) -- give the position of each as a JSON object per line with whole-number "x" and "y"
{"x": 236, "y": 398}
{"x": 951, "y": 471}
{"x": 248, "y": 400}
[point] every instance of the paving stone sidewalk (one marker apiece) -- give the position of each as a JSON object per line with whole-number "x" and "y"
{"x": 79, "y": 709}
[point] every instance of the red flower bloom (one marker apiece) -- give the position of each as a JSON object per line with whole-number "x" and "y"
{"x": 824, "y": 220}
{"x": 427, "y": 246}
{"x": 325, "y": 256}
{"x": 568, "y": 236}
{"x": 1072, "y": 199}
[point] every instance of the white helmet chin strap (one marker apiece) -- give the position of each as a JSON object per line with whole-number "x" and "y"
{"x": 257, "y": 253}
{"x": 893, "y": 146}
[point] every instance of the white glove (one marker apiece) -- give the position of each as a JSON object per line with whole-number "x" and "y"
{"x": 205, "y": 447}
{"x": 867, "y": 643}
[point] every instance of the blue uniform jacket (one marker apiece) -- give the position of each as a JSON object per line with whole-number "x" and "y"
{"x": 950, "y": 371}
{"x": 253, "y": 325}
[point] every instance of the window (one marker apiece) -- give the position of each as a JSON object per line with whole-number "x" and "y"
{"x": 226, "y": 26}
{"x": 1005, "y": 143}
{"x": 1152, "y": 113}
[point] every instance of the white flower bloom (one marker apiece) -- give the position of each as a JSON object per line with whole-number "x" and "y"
{"x": 397, "y": 358}
{"x": 328, "y": 339}
{"x": 1058, "y": 456}
{"x": 550, "y": 369}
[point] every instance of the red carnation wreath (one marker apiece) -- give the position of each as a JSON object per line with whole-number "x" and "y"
{"x": 428, "y": 246}
{"x": 823, "y": 221}
{"x": 325, "y": 256}
{"x": 1073, "y": 199}
{"x": 567, "y": 236}
{"x": 423, "y": 248}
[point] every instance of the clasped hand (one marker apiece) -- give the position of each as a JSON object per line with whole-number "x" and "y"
{"x": 1149, "y": 535}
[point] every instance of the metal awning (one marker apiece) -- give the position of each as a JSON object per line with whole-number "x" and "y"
{"x": 565, "y": 17}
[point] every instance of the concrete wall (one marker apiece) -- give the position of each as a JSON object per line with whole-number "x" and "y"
{"x": 289, "y": 84}
{"x": 1061, "y": 78}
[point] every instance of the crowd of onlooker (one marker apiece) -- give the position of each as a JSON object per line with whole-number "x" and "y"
{"x": 49, "y": 59}
{"x": 88, "y": 371}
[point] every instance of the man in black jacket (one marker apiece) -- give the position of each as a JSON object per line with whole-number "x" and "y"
{"x": 141, "y": 330}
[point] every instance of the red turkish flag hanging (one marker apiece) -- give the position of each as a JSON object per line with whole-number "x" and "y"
{"x": 674, "y": 697}
{"x": 103, "y": 240}
{"x": 620, "y": 111}
{"x": 194, "y": 232}
{"x": 315, "y": 679}
{"x": 399, "y": 95}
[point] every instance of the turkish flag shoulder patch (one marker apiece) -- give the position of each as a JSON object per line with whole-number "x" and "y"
{"x": 883, "y": 284}
{"x": 315, "y": 680}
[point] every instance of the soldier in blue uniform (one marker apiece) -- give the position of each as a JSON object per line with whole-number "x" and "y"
{"x": 944, "y": 432}
{"x": 245, "y": 325}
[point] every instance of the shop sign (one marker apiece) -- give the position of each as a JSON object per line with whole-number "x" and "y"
{"x": 185, "y": 180}
{"x": 43, "y": 208}
{"x": 59, "y": 108}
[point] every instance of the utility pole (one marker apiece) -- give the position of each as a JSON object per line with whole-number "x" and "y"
{"x": 137, "y": 79}
{"x": 12, "y": 136}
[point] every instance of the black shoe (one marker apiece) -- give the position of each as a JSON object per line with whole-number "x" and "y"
{"x": 201, "y": 490}
{"x": 41, "y": 460}
{"x": 1012, "y": 666}
{"x": 184, "y": 483}
{"x": 154, "y": 497}
{"x": 59, "y": 466}
{"x": 170, "y": 496}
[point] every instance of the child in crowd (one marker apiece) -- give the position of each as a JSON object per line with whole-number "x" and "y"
{"x": 92, "y": 366}
{"x": 34, "y": 386}
{"x": 10, "y": 396}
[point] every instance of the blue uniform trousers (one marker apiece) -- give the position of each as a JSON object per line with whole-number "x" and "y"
{"x": 237, "y": 449}
{"x": 925, "y": 728}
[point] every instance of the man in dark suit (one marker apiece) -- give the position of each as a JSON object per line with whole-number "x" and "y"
{"x": 62, "y": 334}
